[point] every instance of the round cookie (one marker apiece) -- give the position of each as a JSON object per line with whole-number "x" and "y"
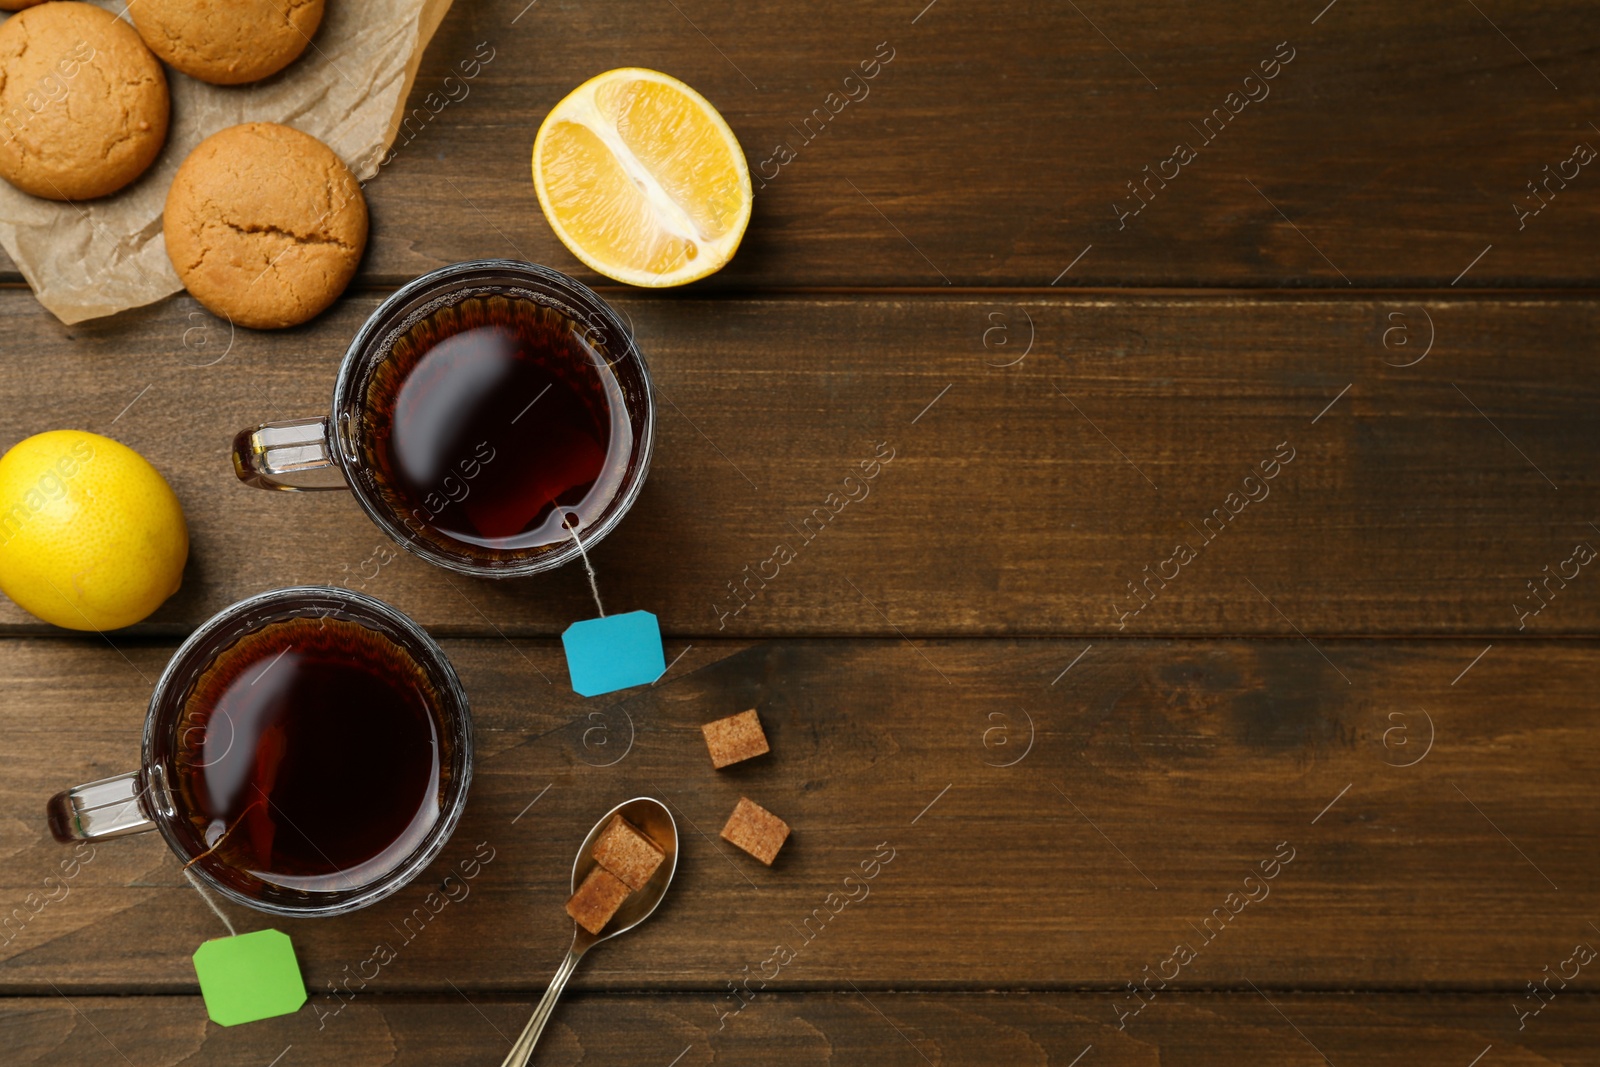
{"x": 227, "y": 42}
{"x": 72, "y": 57}
{"x": 265, "y": 225}
{"x": 17, "y": 5}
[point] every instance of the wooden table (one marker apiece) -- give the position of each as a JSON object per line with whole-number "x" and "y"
{"x": 1081, "y": 749}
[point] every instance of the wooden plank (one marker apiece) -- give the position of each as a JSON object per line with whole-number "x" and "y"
{"x": 1013, "y": 132}
{"x": 1158, "y": 782}
{"x": 1044, "y": 497}
{"x": 823, "y": 1028}
{"x": 1000, "y": 141}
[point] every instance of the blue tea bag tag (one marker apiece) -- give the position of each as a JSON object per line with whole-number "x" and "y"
{"x": 249, "y": 977}
{"x": 614, "y": 652}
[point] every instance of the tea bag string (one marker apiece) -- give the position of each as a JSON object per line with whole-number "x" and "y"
{"x": 571, "y": 521}
{"x": 210, "y": 903}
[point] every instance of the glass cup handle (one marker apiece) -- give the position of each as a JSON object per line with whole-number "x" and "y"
{"x": 111, "y": 807}
{"x": 287, "y": 455}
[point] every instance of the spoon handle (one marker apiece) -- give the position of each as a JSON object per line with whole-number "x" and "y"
{"x": 522, "y": 1051}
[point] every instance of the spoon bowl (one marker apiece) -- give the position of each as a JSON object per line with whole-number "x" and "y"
{"x": 652, "y": 817}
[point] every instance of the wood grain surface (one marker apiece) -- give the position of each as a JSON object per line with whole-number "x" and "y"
{"x": 998, "y": 142}
{"x": 1151, "y": 785}
{"x": 1044, "y": 497}
{"x": 898, "y": 1029}
{"x": 1152, "y": 757}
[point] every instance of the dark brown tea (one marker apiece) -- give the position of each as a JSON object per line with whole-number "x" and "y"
{"x": 491, "y": 420}
{"x": 309, "y": 756}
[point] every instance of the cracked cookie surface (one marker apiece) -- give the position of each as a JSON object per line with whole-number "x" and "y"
{"x": 264, "y": 225}
{"x": 83, "y": 103}
{"x": 229, "y": 42}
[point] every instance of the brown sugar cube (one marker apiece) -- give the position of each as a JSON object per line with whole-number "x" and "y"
{"x": 735, "y": 739}
{"x": 625, "y": 851}
{"x": 597, "y": 900}
{"x": 756, "y": 830}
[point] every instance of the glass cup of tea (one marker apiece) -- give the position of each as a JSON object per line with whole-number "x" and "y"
{"x": 306, "y": 752}
{"x": 486, "y": 416}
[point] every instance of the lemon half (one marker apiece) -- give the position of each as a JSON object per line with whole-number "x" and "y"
{"x": 642, "y": 179}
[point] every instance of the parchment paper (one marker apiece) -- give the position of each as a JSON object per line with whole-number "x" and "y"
{"x": 348, "y": 88}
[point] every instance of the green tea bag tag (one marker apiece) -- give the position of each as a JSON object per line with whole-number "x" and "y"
{"x": 249, "y": 977}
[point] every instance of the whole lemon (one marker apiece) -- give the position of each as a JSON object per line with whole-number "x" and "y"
{"x": 91, "y": 536}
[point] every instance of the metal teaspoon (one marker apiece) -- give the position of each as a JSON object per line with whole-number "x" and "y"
{"x": 656, "y": 821}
